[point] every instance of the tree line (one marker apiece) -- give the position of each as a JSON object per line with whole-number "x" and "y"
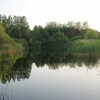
{"x": 51, "y": 36}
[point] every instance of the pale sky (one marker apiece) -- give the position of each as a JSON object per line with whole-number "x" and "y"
{"x": 40, "y": 12}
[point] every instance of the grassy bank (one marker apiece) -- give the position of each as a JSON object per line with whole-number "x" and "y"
{"x": 85, "y": 47}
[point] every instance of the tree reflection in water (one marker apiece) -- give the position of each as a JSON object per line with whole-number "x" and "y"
{"x": 17, "y": 67}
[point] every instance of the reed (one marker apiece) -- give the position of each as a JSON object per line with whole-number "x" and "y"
{"x": 85, "y": 47}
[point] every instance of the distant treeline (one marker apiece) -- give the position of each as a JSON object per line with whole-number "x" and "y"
{"x": 53, "y": 35}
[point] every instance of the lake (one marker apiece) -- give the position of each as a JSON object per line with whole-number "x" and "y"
{"x": 49, "y": 76}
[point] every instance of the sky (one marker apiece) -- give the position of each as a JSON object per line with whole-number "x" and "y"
{"x": 40, "y": 12}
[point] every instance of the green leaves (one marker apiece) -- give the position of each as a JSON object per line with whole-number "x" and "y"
{"x": 44, "y": 39}
{"x": 16, "y": 26}
{"x": 91, "y": 34}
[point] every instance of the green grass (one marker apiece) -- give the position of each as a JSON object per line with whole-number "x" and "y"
{"x": 4, "y": 38}
{"x": 7, "y": 44}
{"x": 85, "y": 47}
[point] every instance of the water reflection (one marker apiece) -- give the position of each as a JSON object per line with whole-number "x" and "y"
{"x": 55, "y": 59}
{"x": 17, "y": 66}
{"x": 7, "y": 60}
{"x": 21, "y": 69}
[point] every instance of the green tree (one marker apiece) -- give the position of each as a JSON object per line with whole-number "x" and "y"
{"x": 42, "y": 39}
{"x": 16, "y": 26}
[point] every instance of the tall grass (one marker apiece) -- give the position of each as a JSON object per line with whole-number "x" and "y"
{"x": 4, "y": 37}
{"x": 85, "y": 47}
{"x": 10, "y": 50}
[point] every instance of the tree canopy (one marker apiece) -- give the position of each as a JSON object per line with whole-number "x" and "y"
{"x": 16, "y": 26}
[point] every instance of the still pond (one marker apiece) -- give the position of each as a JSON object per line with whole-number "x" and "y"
{"x": 49, "y": 77}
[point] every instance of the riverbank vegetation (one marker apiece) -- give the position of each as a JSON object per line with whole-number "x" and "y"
{"x": 75, "y": 37}
{"x": 55, "y": 45}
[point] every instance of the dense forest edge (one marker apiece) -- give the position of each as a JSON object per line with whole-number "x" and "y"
{"x": 75, "y": 37}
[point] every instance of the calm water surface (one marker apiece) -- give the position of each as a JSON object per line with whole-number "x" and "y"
{"x": 62, "y": 84}
{"x": 39, "y": 80}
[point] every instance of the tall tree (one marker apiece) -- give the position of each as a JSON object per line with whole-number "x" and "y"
{"x": 16, "y": 26}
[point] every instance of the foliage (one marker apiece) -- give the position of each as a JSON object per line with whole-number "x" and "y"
{"x": 16, "y": 26}
{"x": 91, "y": 34}
{"x": 85, "y": 46}
{"x": 43, "y": 39}
{"x": 71, "y": 29}
{"x": 75, "y": 37}
{"x": 4, "y": 38}
{"x": 8, "y": 56}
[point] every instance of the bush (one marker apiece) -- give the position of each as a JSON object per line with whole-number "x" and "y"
{"x": 91, "y": 34}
